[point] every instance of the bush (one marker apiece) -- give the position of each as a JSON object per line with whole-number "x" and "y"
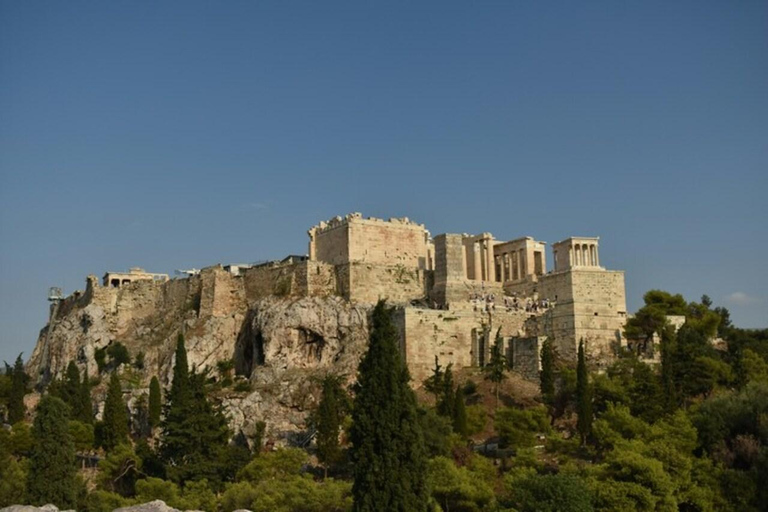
{"x": 551, "y": 493}
{"x": 243, "y": 386}
{"x": 118, "y": 354}
{"x": 518, "y": 427}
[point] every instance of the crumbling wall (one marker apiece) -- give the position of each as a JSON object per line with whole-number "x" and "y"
{"x": 222, "y": 294}
{"x": 526, "y": 356}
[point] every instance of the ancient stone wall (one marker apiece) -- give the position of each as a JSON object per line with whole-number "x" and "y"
{"x": 449, "y": 270}
{"x": 460, "y": 337}
{"x": 590, "y": 304}
{"x": 367, "y": 283}
{"x": 526, "y": 356}
{"x": 221, "y": 293}
{"x": 375, "y": 241}
{"x": 330, "y": 244}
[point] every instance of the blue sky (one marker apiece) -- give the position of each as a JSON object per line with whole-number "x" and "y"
{"x": 176, "y": 134}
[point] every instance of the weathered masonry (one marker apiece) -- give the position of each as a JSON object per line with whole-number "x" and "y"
{"x": 455, "y": 293}
{"x": 118, "y": 279}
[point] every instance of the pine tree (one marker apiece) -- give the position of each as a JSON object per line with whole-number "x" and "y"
{"x": 583, "y": 397}
{"x": 460, "y": 415}
{"x": 495, "y": 370}
{"x": 51, "y": 476}
{"x": 16, "y": 408}
{"x": 114, "y": 430}
{"x": 434, "y": 383}
{"x": 547, "y": 374}
{"x": 387, "y": 444}
{"x": 447, "y": 402}
{"x": 668, "y": 370}
{"x": 155, "y": 402}
{"x": 195, "y": 433}
{"x": 330, "y": 414}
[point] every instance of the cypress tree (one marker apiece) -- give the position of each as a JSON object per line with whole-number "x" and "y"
{"x": 460, "y": 415}
{"x": 330, "y": 414}
{"x": 447, "y": 402}
{"x": 434, "y": 383}
{"x": 115, "y": 423}
{"x": 16, "y": 408}
{"x": 497, "y": 366}
{"x": 195, "y": 433}
{"x": 387, "y": 444}
{"x": 70, "y": 391}
{"x": 547, "y": 374}
{"x": 583, "y": 397}
{"x": 84, "y": 411}
{"x": 51, "y": 476}
{"x": 155, "y": 402}
{"x": 179, "y": 393}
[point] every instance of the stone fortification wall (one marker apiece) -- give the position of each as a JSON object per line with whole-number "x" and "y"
{"x": 138, "y": 314}
{"x": 375, "y": 241}
{"x": 460, "y": 337}
{"x": 398, "y": 284}
{"x": 306, "y": 278}
{"x": 221, "y": 293}
{"x": 590, "y": 305}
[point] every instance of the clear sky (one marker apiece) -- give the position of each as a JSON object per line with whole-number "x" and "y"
{"x": 182, "y": 134}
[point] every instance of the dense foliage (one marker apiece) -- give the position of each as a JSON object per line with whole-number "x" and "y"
{"x": 678, "y": 422}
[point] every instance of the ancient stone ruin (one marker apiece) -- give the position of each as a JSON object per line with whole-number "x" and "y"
{"x": 285, "y": 321}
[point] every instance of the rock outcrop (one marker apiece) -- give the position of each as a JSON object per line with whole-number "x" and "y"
{"x": 281, "y": 345}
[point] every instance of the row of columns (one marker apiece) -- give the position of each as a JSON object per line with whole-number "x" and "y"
{"x": 585, "y": 255}
{"x": 512, "y": 265}
{"x": 484, "y": 269}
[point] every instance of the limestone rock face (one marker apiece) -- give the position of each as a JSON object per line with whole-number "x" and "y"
{"x": 282, "y": 345}
{"x": 286, "y": 347}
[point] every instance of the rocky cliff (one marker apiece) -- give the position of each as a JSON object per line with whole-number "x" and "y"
{"x": 280, "y": 342}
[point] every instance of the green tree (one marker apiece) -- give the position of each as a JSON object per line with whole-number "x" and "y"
{"x": 19, "y": 379}
{"x": 119, "y": 470}
{"x": 668, "y": 350}
{"x": 155, "y": 402}
{"x": 446, "y": 400}
{"x": 70, "y": 390}
{"x": 550, "y": 493}
{"x": 51, "y": 477}
{"x": 495, "y": 370}
{"x": 460, "y": 423}
{"x": 583, "y": 397}
{"x": 458, "y": 489}
{"x": 329, "y": 416}
{"x": 434, "y": 383}
{"x": 517, "y": 428}
{"x": 114, "y": 428}
{"x": 195, "y": 433}
{"x": 12, "y": 474}
{"x": 387, "y": 447}
{"x": 118, "y": 354}
{"x": 84, "y": 408}
{"x": 547, "y": 374}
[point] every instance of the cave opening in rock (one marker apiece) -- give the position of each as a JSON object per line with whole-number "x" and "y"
{"x": 249, "y": 349}
{"x": 313, "y": 343}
